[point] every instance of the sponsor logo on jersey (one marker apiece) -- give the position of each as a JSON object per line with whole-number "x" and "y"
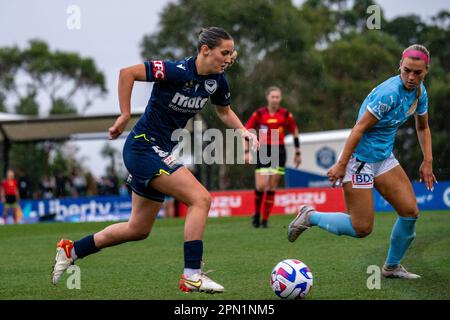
{"x": 188, "y": 85}
{"x": 362, "y": 181}
{"x": 170, "y": 161}
{"x": 272, "y": 120}
{"x": 181, "y": 66}
{"x": 188, "y": 103}
{"x": 210, "y": 86}
{"x": 159, "y": 70}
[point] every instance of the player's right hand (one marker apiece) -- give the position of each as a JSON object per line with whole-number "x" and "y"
{"x": 251, "y": 138}
{"x": 336, "y": 174}
{"x": 118, "y": 127}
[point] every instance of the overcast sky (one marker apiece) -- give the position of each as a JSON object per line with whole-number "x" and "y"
{"x": 110, "y": 33}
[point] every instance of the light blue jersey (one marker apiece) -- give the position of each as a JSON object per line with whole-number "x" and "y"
{"x": 389, "y": 102}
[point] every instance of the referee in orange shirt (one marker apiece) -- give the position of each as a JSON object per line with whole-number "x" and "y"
{"x": 267, "y": 176}
{"x": 10, "y": 196}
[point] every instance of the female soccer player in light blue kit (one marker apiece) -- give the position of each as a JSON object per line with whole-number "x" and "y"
{"x": 367, "y": 160}
{"x": 181, "y": 90}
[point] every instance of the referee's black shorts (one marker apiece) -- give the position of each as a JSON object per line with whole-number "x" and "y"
{"x": 271, "y": 159}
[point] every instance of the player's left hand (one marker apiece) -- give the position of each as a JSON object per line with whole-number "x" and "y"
{"x": 118, "y": 127}
{"x": 426, "y": 175}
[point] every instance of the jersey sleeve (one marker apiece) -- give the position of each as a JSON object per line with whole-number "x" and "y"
{"x": 379, "y": 103}
{"x": 222, "y": 96}
{"x": 422, "y": 107}
{"x": 162, "y": 70}
{"x": 291, "y": 125}
{"x": 252, "y": 123}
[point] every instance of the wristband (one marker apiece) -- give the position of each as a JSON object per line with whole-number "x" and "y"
{"x": 296, "y": 143}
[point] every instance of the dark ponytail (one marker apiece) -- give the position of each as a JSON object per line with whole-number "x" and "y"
{"x": 212, "y": 37}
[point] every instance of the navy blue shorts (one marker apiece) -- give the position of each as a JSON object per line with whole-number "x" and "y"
{"x": 145, "y": 161}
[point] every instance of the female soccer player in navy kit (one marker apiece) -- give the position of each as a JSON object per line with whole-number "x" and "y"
{"x": 268, "y": 120}
{"x": 367, "y": 161}
{"x": 181, "y": 90}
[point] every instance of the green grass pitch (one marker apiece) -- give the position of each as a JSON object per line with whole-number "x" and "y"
{"x": 242, "y": 259}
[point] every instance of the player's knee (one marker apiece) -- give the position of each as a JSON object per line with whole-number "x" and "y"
{"x": 203, "y": 200}
{"x": 138, "y": 235}
{"x": 363, "y": 229}
{"x": 410, "y": 213}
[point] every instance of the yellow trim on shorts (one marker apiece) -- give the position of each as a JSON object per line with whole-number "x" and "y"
{"x": 11, "y": 205}
{"x": 142, "y": 136}
{"x": 278, "y": 170}
{"x": 161, "y": 171}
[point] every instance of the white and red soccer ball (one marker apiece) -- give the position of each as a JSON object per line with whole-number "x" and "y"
{"x": 291, "y": 279}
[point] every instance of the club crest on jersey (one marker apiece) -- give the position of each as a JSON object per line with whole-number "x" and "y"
{"x": 210, "y": 86}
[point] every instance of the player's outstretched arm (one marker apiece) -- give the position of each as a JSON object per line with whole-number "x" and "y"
{"x": 231, "y": 120}
{"x": 424, "y": 136}
{"x": 127, "y": 77}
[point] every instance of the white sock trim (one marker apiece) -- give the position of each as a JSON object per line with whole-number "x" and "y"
{"x": 190, "y": 272}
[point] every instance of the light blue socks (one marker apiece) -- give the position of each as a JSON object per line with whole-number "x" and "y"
{"x": 334, "y": 222}
{"x": 403, "y": 233}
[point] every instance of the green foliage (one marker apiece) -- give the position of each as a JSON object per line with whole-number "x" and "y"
{"x": 349, "y": 80}
{"x": 28, "y": 105}
{"x": 406, "y": 29}
{"x": 61, "y": 107}
{"x": 108, "y": 151}
{"x": 32, "y": 160}
{"x": 55, "y": 75}
{"x": 2, "y": 103}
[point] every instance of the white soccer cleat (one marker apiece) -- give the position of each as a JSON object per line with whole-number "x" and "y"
{"x": 398, "y": 271}
{"x": 63, "y": 259}
{"x": 300, "y": 223}
{"x": 199, "y": 282}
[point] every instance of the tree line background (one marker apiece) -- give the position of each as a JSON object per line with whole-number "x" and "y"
{"x": 321, "y": 54}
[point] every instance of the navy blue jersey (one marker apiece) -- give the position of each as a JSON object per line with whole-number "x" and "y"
{"x": 177, "y": 95}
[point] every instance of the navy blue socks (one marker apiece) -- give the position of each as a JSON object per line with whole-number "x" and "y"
{"x": 85, "y": 246}
{"x": 193, "y": 253}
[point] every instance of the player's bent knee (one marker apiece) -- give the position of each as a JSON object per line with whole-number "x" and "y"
{"x": 363, "y": 230}
{"x": 411, "y": 213}
{"x": 203, "y": 200}
{"x": 140, "y": 235}
{"x": 136, "y": 233}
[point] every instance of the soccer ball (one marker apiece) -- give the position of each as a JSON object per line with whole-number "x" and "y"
{"x": 291, "y": 279}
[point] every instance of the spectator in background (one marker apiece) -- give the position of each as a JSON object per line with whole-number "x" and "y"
{"x": 79, "y": 183}
{"x": 9, "y": 194}
{"x": 24, "y": 186}
{"x": 91, "y": 185}
{"x": 62, "y": 185}
{"x": 47, "y": 187}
